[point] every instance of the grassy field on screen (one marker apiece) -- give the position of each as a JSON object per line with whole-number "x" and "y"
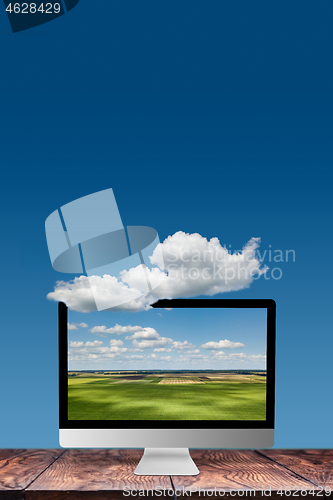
{"x": 136, "y": 395}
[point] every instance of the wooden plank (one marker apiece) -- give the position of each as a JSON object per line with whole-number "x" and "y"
{"x": 18, "y": 468}
{"x": 94, "y": 471}
{"x": 314, "y": 465}
{"x": 7, "y": 454}
{"x": 103, "y": 474}
{"x": 237, "y": 470}
{"x": 77, "y": 495}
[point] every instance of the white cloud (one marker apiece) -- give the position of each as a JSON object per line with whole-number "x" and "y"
{"x": 139, "y": 332}
{"x": 118, "y": 329}
{"x": 179, "y": 346}
{"x": 114, "y": 342}
{"x": 217, "y": 353}
{"x": 78, "y": 296}
{"x": 146, "y": 333}
{"x": 96, "y": 343}
{"x": 193, "y": 265}
{"x": 97, "y": 352}
{"x": 155, "y": 357}
{"x": 116, "y": 346}
{"x": 222, "y": 344}
{"x": 152, "y": 344}
{"x": 80, "y": 351}
{"x": 197, "y": 266}
{"x": 118, "y": 350}
{"x": 72, "y": 326}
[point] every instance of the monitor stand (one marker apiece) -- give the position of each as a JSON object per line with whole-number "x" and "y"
{"x": 166, "y": 462}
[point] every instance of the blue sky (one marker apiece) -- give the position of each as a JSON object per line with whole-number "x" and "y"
{"x": 177, "y": 339}
{"x": 214, "y": 120}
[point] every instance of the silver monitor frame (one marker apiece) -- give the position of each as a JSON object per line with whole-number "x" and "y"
{"x": 152, "y": 434}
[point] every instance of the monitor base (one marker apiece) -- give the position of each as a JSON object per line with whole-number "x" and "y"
{"x": 166, "y": 462}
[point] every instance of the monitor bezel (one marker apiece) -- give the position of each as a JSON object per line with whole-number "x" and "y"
{"x": 268, "y": 304}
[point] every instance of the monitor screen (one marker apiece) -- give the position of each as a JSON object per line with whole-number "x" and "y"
{"x": 175, "y": 362}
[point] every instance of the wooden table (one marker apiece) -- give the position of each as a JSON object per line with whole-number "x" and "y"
{"x": 104, "y": 474}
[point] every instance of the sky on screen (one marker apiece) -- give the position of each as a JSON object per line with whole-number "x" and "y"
{"x": 187, "y": 339}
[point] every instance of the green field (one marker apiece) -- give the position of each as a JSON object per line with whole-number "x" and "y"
{"x": 166, "y": 396}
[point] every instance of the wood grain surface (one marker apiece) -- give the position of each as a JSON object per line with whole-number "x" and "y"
{"x": 104, "y": 474}
{"x": 77, "y": 495}
{"x": 314, "y": 465}
{"x": 19, "y": 468}
{"x": 234, "y": 469}
{"x": 22, "y": 467}
{"x": 97, "y": 470}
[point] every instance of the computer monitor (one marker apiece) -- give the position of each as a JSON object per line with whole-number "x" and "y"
{"x": 187, "y": 373}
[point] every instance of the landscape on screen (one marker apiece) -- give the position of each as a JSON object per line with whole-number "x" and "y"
{"x": 167, "y": 395}
{"x": 175, "y": 364}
